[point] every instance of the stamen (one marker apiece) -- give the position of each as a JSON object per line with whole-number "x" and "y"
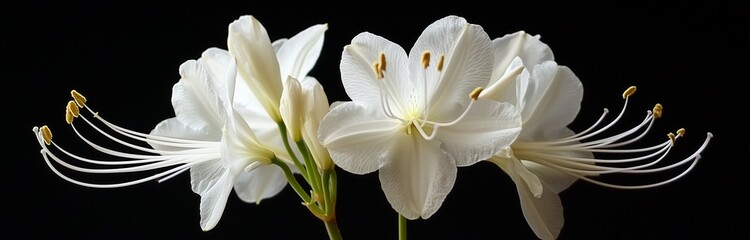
{"x": 657, "y": 110}
{"x": 671, "y": 137}
{"x": 79, "y": 98}
{"x": 681, "y": 132}
{"x": 628, "y": 92}
{"x": 425, "y": 59}
{"x": 381, "y": 58}
{"x": 46, "y": 134}
{"x": 378, "y": 72}
{"x": 441, "y": 60}
{"x": 69, "y": 116}
{"x": 475, "y": 93}
{"x": 73, "y": 108}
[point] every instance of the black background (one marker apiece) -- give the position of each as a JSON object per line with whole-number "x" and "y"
{"x": 691, "y": 58}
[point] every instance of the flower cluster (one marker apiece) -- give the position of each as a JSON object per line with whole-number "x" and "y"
{"x": 249, "y": 118}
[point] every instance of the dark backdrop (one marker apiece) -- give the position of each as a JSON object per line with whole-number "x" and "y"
{"x": 691, "y": 58}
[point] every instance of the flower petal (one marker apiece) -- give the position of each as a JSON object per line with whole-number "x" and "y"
{"x": 542, "y": 208}
{"x": 549, "y": 100}
{"x": 298, "y": 54}
{"x": 468, "y": 61}
{"x": 172, "y": 127}
{"x": 358, "y": 75}
{"x": 257, "y": 64}
{"x": 488, "y": 127}
{"x": 359, "y": 139}
{"x": 261, "y": 183}
{"x": 196, "y": 99}
{"x": 417, "y": 177}
{"x": 213, "y": 182}
{"x": 518, "y": 44}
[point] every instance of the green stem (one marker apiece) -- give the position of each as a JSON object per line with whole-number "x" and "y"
{"x": 292, "y": 180}
{"x": 401, "y": 227}
{"x": 311, "y": 167}
{"x": 285, "y": 139}
{"x": 333, "y": 229}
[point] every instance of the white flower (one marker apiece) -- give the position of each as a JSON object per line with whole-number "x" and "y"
{"x": 206, "y": 137}
{"x": 547, "y": 157}
{"x": 263, "y": 66}
{"x": 416, "y": 117}
{"x": 262, "y": 71}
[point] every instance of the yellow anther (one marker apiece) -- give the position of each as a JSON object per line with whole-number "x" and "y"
{"x": 628, "y": 92}
{"x": 425, "y": 59}
{"x": 69, "y": 117}
{"x": 441, "y": 61}
{"x": 80, "y": 99}
{"x": 671, "y": 137}
{"x": 378, "y": 72}
{"x": 475, "y": 94}
{"x": 657, "y": 110}
{"x": 681, "y": 132}
{"x": 381, "y": 59}
{"x": 46, "y": 134}
{"x": 71, "y": 111}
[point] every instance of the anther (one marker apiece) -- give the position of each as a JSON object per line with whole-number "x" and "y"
{"x": 681, "y": 132}
{"x": 657, "y": 110}
{"x": 378, "y": 73}
{"x": 69, "y": 116}
{"x": 475, "y": 94}
{"x": 672, "y": 137}
{"x": 425, "y": 59}
{"x": 628, "y": 92}
{"x": 381, "y": 58}
{"x": 440, "y": 62}
{"x": 80, "y": 99}
{"x": 46, "y": 134}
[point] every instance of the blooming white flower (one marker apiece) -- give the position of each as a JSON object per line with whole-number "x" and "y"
{"x": 416, "y": 117}
{"x": 547, "y": 157}
{"x": 206, "y": 137}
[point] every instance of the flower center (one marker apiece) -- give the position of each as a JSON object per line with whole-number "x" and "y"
{"x": 415, "y": 113}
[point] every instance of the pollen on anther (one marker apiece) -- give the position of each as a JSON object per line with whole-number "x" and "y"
{"x": 672, "y": 137}
{"x": 425, "y": 59}
{"x": 441, "y": 61}
{"x": 628, "y": 92}
{"x": 46, "y": 134}
{"x": 80, "y": 99}
{"x": 657, "y": 110}
{"x": 378, "y": 72}
{"x": 381, "y": 59}
{"x": 681, "y": 132}
{"x": 475, "y": 94}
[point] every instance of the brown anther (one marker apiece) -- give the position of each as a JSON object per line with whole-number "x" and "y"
{"x": 475, "y": 94}
{"x": 425, "y": 59}
{"x": 46, "y": 134}
{"x": 657, "y": 110}
{"x": 628, "y": 92}
{"x": 80, "y": 99}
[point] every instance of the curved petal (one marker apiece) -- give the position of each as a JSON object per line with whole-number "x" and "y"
{"x": 257, "y": 64}
{"x": 358, "y": 75}
{"x": 417, "y": 177}
{"x": 359, "y": 139}
{"x": 518, "y": 44}
{"x": 298, "y": 54}
{"x": 172, "y": 127}
{"x": 488, "y": 127}
{"x": 195, "y": 99}
{"x": 467, "y": 65}
{"x": 261, "y": 183}
{"x": 213, "y": 182}
{"x": 542, "y": 208}
{"x": 504, "y": 89}
{"x": 549, "y": 100}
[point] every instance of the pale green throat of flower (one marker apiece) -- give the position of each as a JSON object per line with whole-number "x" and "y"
{"x": 415, "y": 116}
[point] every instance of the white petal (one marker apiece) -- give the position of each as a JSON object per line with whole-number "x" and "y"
{"x": 261, "y": 183}
{"x": 359, "y": 139}
{"x": 172, "y": 127}
{"x": 299, "y": 53}
{"x": 519, "y": 44}
{"x": 505, "y": 87}
{"x": 195, "y": 99}
{"x": 417, "y": 177}
{"x": 213, "y": 182}
{"x": 240, "y": 147}
{"x": 486, "y": 129}
{"x": 292, "y": 107}
{"x": 541, "y": 208}
{"x": 357, "y": 72}
{"x": 468, "y": 61}
{"x": 257, "y": 64}
{"x": 551, "y": 100}
{"x": 220, "y": 64}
